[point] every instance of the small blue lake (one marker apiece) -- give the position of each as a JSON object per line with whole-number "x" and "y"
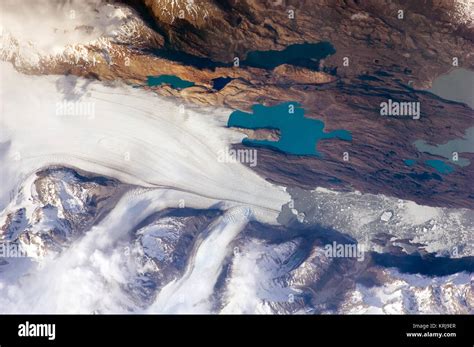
{"x": 220, "y": 82}
{"x": 304, "y": 55}
{"x": 172, "y": 80}
{"x": 298, "y": 135}
{"x": 440, "y": 166}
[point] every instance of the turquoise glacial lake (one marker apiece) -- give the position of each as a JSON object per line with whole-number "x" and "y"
{"x": 174, "y": 81}
{"x": 299, "y": 135}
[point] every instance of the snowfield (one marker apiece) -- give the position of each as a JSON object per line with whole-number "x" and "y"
{"x": 138, "y": 138}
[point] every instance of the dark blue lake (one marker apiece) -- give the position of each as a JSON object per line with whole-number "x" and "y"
{"x": 174, "y": 81}
{"x": 220, "y": 82}
{"x": 304, "y": 55}
{"x": 301, "y": 54}
{"x": 298, "y": 135}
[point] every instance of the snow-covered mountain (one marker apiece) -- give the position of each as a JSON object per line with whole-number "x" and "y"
{"x": 75, "y": 32}
{"x": 181, "y": 259}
